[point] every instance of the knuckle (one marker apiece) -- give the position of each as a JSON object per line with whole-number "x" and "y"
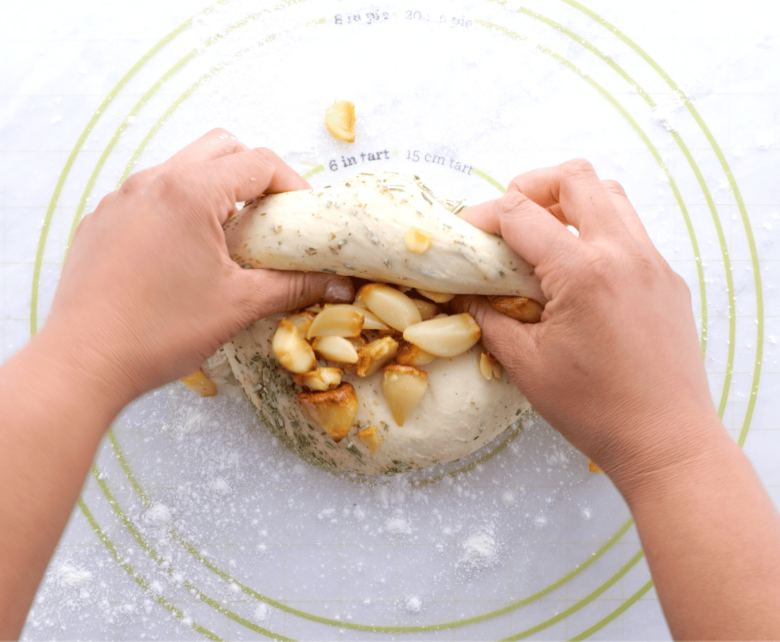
{"x": 81, "y": 227}
{"x": 511, "y": 201}
{"x": 218, "y": 132}
{"x": 513, "y": 204}
{"x": 265, "y": 155}
{"x": 514, "y": 185}
{"x": 105, "y": 201}
{"x": 681, "y": 284}
{"x": 299, "y": 287}
{"x": 599, "y": 266}
{"x": 614, "y": 187}
{"x": 577, "y": 167}
{"x": 133, "y": 183}
{"x": 172, "y": 185}
{"x": 138, "y": 183}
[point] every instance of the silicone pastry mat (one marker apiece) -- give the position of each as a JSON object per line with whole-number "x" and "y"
{"x": 195, "y": 522}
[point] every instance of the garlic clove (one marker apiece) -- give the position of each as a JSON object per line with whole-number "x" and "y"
{"x": 403, "y": 387}
{"x": 518, "y": 307}
{"x": 335, "y": 349}
{"x": 302, "y": 321}
{"x": 374, "y": 355}
{"x": 593, "y": 467}
{"x": 340, "y": 120}
{"x": 200, "y": 383}
{"x": 436, "y": 297}
{"x": 411, "y": 355}
{"x": 370, "y": 438}
{"x": 428, "y": 309}
{"x": 370, "y": 320}
{"x": 336, "y": 321}
{"x": 446, "y": 336}
{"x": 485, "y": 367}
{"x": 335, "y": 410}
{"x": 291, "y": 349}
{"x": 320, "y": 379}
{"x": 489, "y": 366}
{"x": 418, "y": 241}
{"x": 391, "y": 306}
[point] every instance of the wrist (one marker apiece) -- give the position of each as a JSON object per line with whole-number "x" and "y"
{"x": 668, "y": 450}
{"x": 75, "y": 366}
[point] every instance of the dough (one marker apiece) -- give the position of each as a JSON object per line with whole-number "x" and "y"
{"x": 459, "y": 413}
{"x": 358, "y": 228}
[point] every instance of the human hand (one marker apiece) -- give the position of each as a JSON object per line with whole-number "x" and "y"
{"x": 615, "y": 364}
{"x": 148, "y": 291}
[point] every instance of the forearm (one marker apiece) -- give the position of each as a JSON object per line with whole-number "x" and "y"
{"x": 712, "y": 540}
{"x": 53, "y": 413}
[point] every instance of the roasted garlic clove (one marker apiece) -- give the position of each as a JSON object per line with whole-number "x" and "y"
{"x": 411, "y": 355}
{"x": 336, "y": 321}
{"x": 428, "y": 309}
{"x": 518, "y": 307}
{"x": 446, "y": 336}
{"x": 334, "y": 410}
{"x": 302, "y": 321}
{"x": 392, "y": 306}
{"x": 340, "y": 120}
{"x": 436, "y": 297}
{"x": 291, "y": 349}
{"x": 403, "y": 387}
{"x": 489, "y": 366}
{"x": 485, "y": 367}
{"x": 418, "y": 241}
{"x": 370, "y": 320}
{"x": 374, "y": 355}
{"x": 593, "y": 467}
{"x": 335, "y": 349}
{"x": 370, "y": 438}
{"x": 320, "y": 379}
{"x": 200, "y": 383}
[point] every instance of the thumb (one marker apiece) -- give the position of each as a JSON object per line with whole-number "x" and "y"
{"x": 267, "y": 292}
{"x": 513, "y": 343}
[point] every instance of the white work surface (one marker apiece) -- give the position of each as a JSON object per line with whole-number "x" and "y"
{"x": 195, "y": 522}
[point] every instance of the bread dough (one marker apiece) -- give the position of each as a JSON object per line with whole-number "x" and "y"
{"x": 459, "y": 413}
{"x": 358, "y": 228}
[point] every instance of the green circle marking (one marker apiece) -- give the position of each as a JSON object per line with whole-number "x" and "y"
{"x": 732, "y": 323}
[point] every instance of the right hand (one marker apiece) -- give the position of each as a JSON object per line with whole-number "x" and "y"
{"x": 615, "y": 364}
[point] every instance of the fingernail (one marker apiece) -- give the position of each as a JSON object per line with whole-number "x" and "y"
{"x": 339, "y": 291}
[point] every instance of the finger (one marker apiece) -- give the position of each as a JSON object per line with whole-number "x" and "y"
{"x": 557, "y": 211}
{"x": 574, "y": 186}
{"x": 215, "y": 144}
{"x": 529, "y": 229}
{"x": 511, "y": 342}
{"x": 538, "y": 186}
{"x": 246, "y": 175}
{"x": 625, "y": 210}
{"x": 267, "y": 292}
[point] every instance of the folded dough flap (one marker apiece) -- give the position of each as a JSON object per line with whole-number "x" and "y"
{"x": 359, "y": 228}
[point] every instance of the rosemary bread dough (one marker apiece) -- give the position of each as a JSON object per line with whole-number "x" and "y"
{"x": 359, "y": 228}
{"x": 459, "y": 413}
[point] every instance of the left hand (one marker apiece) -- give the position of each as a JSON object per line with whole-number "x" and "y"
{"x": 148, "y": 291}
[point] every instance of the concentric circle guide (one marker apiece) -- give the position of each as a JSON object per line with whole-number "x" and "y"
{"x": 154, "y": 555}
